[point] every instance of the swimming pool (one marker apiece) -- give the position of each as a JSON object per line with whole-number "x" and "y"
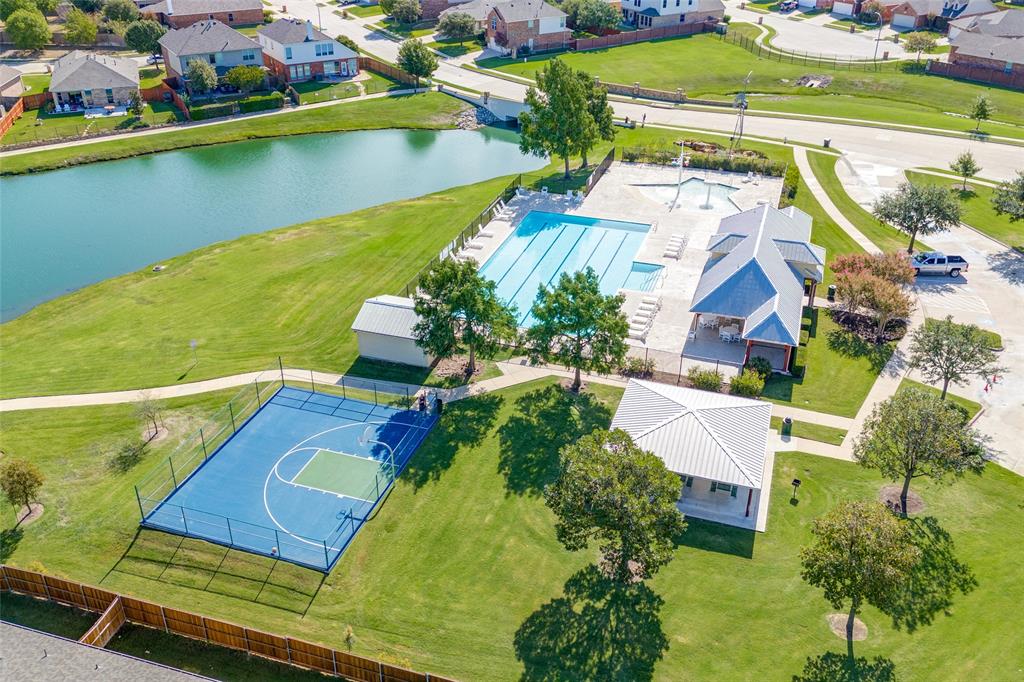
{"x": 694, "y": 196}
{"x": 544, "y": 245}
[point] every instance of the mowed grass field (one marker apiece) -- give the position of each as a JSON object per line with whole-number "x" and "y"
{"x": 705, "y": 66}
{"x": 423, "y": 111}
{"x": 977, "y": 211}
{"x": 459, "y": 573}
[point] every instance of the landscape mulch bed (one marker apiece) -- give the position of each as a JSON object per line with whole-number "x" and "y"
{"x": 864, "y": 327}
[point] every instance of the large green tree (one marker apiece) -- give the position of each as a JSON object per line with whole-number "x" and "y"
{"x": 245, "y": 78}
{"x": 144, "y": 36}
{"x": 457, "y": 26}
{"x": 592, "y": 14}
{"x": 915, "y": 433}
{"x": 600, "y": 112}
{"x": 120, "y": 10}
{"x": 919, "y": 41}
{"x": 949, "y": 352}
{"x": 1009, "y": 198}
{"x": 918, "y": 210}
{"x": 405, "y": 11}
{"x": 20, "y": 482}
{"x": 90, "y": 6}
{"x": 577, "y": 326}
{"x": 201, "y": 74}
{"x": 861, "y": 554}
{"x": 9, "y": 7}
{"x": 459, "y": 312}
{"x": 611, "y": 491}
{"x": 417, "y": 59}
{"x": 79, "y": 27}
{"x": 557, "y": 120}
{"x": 27, "y": 29}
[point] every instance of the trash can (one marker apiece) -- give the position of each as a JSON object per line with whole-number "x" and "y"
{"x": 787, "y": 425}
{"x": 831, "y": 292}
{"x": 827, "y": 143}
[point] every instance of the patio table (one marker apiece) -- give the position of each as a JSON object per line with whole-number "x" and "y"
{"x": 729, "y": 333}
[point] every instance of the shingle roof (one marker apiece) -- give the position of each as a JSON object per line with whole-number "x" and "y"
{"x": 524, "y": 10}
{"x": 758, "y": 261}
{"x": 8, "y": 74}
{"x": 87, "y": 71}
{"x": 292, "y": 31}
{"x": 952, "y": 9}
{"x": 388, "y": 316}
{"x": 1006, "y": 24}
{"x": 698, "y": 433}
{"x": 206, "y": 36}
{"x": 989, "y": 47}
{"x": 204, "y": 7}
{"x": 478, "y": 9}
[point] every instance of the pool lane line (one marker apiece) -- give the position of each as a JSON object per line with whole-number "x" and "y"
{"x": 544, "y": 257}
{"x": 522, "y": 252}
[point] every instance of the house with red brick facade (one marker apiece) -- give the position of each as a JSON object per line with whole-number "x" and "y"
{"x": 184, "y": 13}
{"x": 296, "y": 51}
{"x": 936, "y": 14}
{"x": 992, "y": 41}
{"x": 531, "y": 24}
{"x": 658, "y": 13}
{"x": 432, "y": 9}
{"x": 480, "y": 10}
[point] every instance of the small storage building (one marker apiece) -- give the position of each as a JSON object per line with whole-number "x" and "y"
{"x": 384, "y": 329}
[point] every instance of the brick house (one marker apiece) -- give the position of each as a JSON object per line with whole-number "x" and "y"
{"x": 433, "y": 9}
{"x": 296, "y": 51}
{"x": 532, "y": 24}
{"x": 917, "y": 14}
{"x": 991, "y": 41}
{"x": 480, "y": 10}
{"x": 10, "y": 82}
{"x": 211, "y": 41}
{"x": 184, "y": 13}
{"x": 657, "y": 13}
{"x": 84, "y": 80}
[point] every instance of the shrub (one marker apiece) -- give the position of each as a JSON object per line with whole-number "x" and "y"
{"x": 965, "y": 415}
{"x": 268, "y": 16}
{"x": 726, "y": 18}
{"x": 748, "y": 384}
{"x": 705, "y": 379}
{"x": 28, "y": 29}
{"x": 790, "y": 184}
{"x": 637, "y": 367}
{"x": 211, "y": 111}
{"x": 761, "y": 366}
{"x": 348, "y": 42}
{"x": 274, "y": 100}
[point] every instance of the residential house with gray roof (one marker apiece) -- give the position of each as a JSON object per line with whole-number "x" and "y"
{"x": 296, "y": 51}
{"x": 184, "y": 13}
{"x": 210, "y": 41}
{"x": 936, "y": 14}
{"x": 753, "y": 283}
{"x": 87, "y": 80}
{"x": 992, "y": 41}
{"x": 518, "y": 26}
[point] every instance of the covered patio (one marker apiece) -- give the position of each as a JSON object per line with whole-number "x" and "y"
{"x": 720, "y": 338}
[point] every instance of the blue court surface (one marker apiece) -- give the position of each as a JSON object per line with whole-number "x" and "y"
{"x": 246, "y": 494}
{"x": 544, "y": 245}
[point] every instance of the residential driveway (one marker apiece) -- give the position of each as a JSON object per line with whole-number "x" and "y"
{"x": 812, "y": 36}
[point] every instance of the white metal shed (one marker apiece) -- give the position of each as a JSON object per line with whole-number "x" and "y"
{"x": 384, "y": 329}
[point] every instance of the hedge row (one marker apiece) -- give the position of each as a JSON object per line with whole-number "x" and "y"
{"x": 211, "y": 111}
{"x": 736, "y": 164}
{"x": 274, "y": 100}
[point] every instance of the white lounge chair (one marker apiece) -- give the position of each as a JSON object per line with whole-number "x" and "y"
{"x": 750, "y": 176}
{"x": 653, "y": 300}
{"x": 476, "y": 246}
{"x": 544, "y": 189}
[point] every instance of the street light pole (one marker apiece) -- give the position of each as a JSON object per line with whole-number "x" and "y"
{"x": 877, "y": 40}
{"x": 319, "y": 23}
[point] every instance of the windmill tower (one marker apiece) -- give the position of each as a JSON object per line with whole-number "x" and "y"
{"x": 740, "y": 104}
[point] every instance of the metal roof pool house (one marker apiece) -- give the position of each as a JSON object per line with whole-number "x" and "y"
{"x": 717, "y": 444}
{"x": 384, "y": 329}
{"x": 760, "y": 263}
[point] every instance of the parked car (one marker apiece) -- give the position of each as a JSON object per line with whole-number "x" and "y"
{"x": 154, "y": 59}
{"x": 788, "y": 6}
{"x": 937, "y": 263}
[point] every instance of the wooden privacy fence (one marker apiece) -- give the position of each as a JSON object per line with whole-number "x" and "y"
{"x": 386, "y": 69}
{"x": 977, "y": 73}
{"x": 11, "y": 116}
{"x": 119, "y": 609}
{"x": 639, "y": 36}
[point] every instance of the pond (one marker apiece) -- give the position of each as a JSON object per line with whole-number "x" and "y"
{"x": 65, "y": 229}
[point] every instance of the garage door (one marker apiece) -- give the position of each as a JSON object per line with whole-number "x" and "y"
{"x": 843, "y": 9}
{"x": 903, "y": 21}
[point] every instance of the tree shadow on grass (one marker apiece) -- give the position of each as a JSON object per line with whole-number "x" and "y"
{"x": 9, "y": 540}
{"x": 598, "y": 630}
{"x": 847, "y": 343}
{"x": 716, "y": 537}
{"x": 463, "y": 423}
{"x": 544, "y": 421}
{"x": 836, "y": 667}
{"x": 935, "y": 580}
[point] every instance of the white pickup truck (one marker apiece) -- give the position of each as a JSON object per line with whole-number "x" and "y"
{"x": 936, "y": 263}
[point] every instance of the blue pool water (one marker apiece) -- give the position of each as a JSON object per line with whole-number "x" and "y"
{"x": 544, "y": 245}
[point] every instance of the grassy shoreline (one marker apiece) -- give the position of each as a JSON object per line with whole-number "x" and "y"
{"x": 424, "y": 111}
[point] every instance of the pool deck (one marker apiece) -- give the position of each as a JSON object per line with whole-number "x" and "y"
{"x": 621, "y": 195}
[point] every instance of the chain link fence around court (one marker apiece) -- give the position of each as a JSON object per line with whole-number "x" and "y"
{"x": 169, "y": 475}
{"x": 822, "y": 61}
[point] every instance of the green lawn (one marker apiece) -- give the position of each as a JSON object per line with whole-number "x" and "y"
{"x": 363, "y": 10}
{"x": 704, "y": 65}
{"x": 45, "y": 616}
{"x": 36, "y": 124}
{"x": 884, "y": 236}
{"x": 36, "y": 82}
{"x": 378, "y": 83}
{"x": 417, "y": 30}
{"x": 460, "y": 574}
{"x": 426, "y": 110}
{"x": 457, "y": 48}
{"x": 838, "y": 369}
{"x": 810, "y": 431}
{"x": 977, "y": 210}
{"x": 151, "y": 76}
{"x": 322, "y": 91}
{"x": 971, "y": 406}
{"x": 294, "y": 292}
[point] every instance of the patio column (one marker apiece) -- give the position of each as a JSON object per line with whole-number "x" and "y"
{"x": 789, "y": 353}
{"x": 56, "y": 99}
{"x": 746, "y": 356}
{"x": 810, "y": 295}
